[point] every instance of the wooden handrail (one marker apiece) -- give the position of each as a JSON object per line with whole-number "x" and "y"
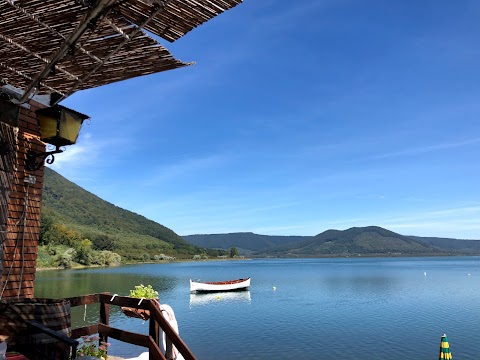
{"x": 157, "y": 322}
{"x": 124, "y": 335}
{"x": 170, "y": 333}
{"x": 154, "y": 350}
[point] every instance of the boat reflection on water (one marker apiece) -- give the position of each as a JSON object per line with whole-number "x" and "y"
{"x": 226, "y": 296}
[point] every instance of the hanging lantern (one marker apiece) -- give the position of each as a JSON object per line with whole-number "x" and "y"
{"x": 59, "y": 126}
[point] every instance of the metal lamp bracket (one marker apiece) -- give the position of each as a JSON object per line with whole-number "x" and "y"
{"x": 35, "y": 160}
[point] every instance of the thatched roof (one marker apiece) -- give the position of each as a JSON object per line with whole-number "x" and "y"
{"x": 61, "y": 46}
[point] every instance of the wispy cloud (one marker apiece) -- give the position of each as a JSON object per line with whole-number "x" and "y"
{"x": 427, "y": 149}
{"x": 184, "y": 169}
{"x": 90, "y": 151}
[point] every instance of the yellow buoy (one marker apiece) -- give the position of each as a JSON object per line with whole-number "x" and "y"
{"x": 274, "y": 288}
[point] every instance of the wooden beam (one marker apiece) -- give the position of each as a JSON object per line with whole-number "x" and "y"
{"x": 84, "y": 331}
{"x": 124, "y": 301}
{"x": 159, "y": 8}
{"x": 46, "y": 26}
{"x": 123, "y": 335}
{"x": 100, "y": 6}
{"x": 21, "y": 47}
{"x": 18, "y": 72}
{"x": 154, "y": 351}
{"x": 83, "y": 300}
{"x": 170, "y": 332}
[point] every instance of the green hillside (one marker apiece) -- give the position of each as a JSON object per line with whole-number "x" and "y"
{"x": 371, "y": 240}
{"x": 248, "y": 243}
{"x": 109, "y": 227}
{"x": 75, "y": 218}
{"x": 452, "y": 245}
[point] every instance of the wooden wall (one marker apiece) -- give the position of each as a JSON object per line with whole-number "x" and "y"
{"x": 24, "y": 205}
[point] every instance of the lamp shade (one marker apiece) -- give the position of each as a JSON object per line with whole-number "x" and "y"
{"x": 59, "y": 125}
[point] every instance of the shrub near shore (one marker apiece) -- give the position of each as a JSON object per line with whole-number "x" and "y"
{"x": 61, "y": 256}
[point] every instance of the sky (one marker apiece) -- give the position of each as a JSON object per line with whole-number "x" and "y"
{"x": 298, "y": 117}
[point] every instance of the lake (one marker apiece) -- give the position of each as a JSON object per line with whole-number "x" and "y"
{"x": 375, "y": 308}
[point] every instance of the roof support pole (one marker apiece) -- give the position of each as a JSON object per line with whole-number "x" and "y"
{"x": 96, "y": 11}
{"x": 18, "y": 72}
{"x": 160, "y": 7}
{"x": 46, "y": 26}
{"x": 20, "y": 46}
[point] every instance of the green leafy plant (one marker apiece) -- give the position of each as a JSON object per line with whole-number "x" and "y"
{"x": 89, "y": 347}
{"x": 142, "y": 291}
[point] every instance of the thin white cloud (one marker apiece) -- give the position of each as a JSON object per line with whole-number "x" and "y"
{"x": 170, "y": 172}
{"x": 72, "y": 155}
{"x": 427, "y": 149}
{"x": 89, "y": 152}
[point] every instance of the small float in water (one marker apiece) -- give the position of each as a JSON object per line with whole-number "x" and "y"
{"x": 230, "y": 285}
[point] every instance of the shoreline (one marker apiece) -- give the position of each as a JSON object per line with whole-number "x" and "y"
{"x": 79, "y": 266}
{"x": 358, "y": 256}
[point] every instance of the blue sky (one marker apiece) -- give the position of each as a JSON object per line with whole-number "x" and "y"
{"x": 298, "y": 117}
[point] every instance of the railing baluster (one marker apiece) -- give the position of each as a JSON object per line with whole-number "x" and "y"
{"x": 154, "y": 330}
{"x": 168, "y": 348}
{"x": 170, "y": 333}
{"x": 104, "y": 319}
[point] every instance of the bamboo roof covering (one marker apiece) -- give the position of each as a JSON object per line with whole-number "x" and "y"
{"x": 61, "y": 46}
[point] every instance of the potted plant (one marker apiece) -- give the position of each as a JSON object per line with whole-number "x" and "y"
{"x": 140, "y": 292}
{"x": 88, "y": 348}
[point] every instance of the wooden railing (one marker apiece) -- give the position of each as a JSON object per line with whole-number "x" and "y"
{"x": 150, "y": 341}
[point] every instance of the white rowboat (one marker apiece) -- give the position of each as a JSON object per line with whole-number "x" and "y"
{"x": 231, "y": 285}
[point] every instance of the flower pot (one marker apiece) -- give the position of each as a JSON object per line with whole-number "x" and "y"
{"x": 136, "y": 313}
{"x": 139, "y": 313}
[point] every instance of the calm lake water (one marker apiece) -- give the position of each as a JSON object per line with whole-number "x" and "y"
{"x": 380, "y": 308}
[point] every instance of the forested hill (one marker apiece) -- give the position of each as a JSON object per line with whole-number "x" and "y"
{"x": 72, "y": 215}
{"x": 371, "y": 240}
{"x": 248, "y": 243}
{"x": 106, "y": 225}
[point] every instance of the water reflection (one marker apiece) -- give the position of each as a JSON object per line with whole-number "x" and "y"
{"x": 230, "y": 296}
{"x": 115, "y": 281}
{"x": 328, "y": 301}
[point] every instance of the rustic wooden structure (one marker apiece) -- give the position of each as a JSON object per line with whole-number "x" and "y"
{"x": 157, "y": 323}
{"x": 20, "y": 205}
{"x": 50, "y": 49}
{"x": 61, "y": 46}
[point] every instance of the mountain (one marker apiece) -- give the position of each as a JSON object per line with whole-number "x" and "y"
{"x": 371, "y": 240}
{"x": 133, "y": 236}
{"x": 455, "y": 245}
{"x": 247, "y": 243}
{"x": 129, "y": 234}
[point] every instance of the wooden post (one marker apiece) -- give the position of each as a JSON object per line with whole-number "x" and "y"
{"x": 154, "y": 328}
{"x": 171, "y": 335}
{"x": 168, "y": 349}
{"x": 104, "y": 318}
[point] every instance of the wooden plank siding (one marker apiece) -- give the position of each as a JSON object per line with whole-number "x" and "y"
{"x": 22, "y": 224}
{"x": 8, "y": 135}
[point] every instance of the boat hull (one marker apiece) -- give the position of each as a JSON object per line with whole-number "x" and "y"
{"x": 232, "y": 285}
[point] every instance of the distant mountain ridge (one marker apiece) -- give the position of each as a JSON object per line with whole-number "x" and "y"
{"x": 133, "y": 236}
{"x": 370, "y": 240}
{"x": 248, "y": 243}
